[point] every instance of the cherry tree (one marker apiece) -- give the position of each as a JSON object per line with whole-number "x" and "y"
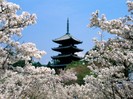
{"x": 111, "y": 62}
{"x": 11, "y": 25}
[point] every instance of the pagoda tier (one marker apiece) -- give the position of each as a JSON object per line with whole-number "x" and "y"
{"x": 66, "y": 59}
{"x": 67, "y": 39}
{"x": 73, "y": 57}
{"x": 69, "y": 48}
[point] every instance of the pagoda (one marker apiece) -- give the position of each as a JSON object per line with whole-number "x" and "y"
{"x": 66, "y": 49}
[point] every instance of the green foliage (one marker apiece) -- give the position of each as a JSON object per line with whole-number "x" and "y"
{"x": 20, "y": 63}
{"x": 75, "y": 64}
{"x": 81, "y": 69}
{"x": 37, "y": 64}
{"x": 49, "y": 64}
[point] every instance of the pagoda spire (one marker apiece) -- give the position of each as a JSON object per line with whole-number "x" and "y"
{"x": 67, "y": 25}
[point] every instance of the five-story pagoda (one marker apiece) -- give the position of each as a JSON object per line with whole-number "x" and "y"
{"x": 67, "y": 50}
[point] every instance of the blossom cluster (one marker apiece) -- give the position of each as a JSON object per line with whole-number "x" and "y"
{"x": 130, "y": 5}
{"x": 11, "y": 25}
{"x": 68, "y": 75}
{"x": 110, "y": 65}
{"x": 28, "y": 82}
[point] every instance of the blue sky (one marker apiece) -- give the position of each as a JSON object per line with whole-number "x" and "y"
{"x": 52, "y": 16}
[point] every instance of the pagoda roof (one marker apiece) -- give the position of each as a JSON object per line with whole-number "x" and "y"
{"x": 72, "y": 56}
{"x": 67, "y": 37}
{"x": 64, "y": 48}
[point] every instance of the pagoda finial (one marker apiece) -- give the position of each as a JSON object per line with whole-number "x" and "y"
{"x": 67, "y": 25}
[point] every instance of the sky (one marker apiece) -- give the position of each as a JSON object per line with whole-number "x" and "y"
{"x": 52, "y": 21}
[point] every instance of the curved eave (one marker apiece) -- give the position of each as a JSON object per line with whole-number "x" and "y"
{"x": 67, "y": 37}
{"x": 66, "y": 48}
{"x": 67, "y": 40}
{"x": 67, "y": 56}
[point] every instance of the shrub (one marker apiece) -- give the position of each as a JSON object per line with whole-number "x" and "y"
{"x": 80, "y": 67}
